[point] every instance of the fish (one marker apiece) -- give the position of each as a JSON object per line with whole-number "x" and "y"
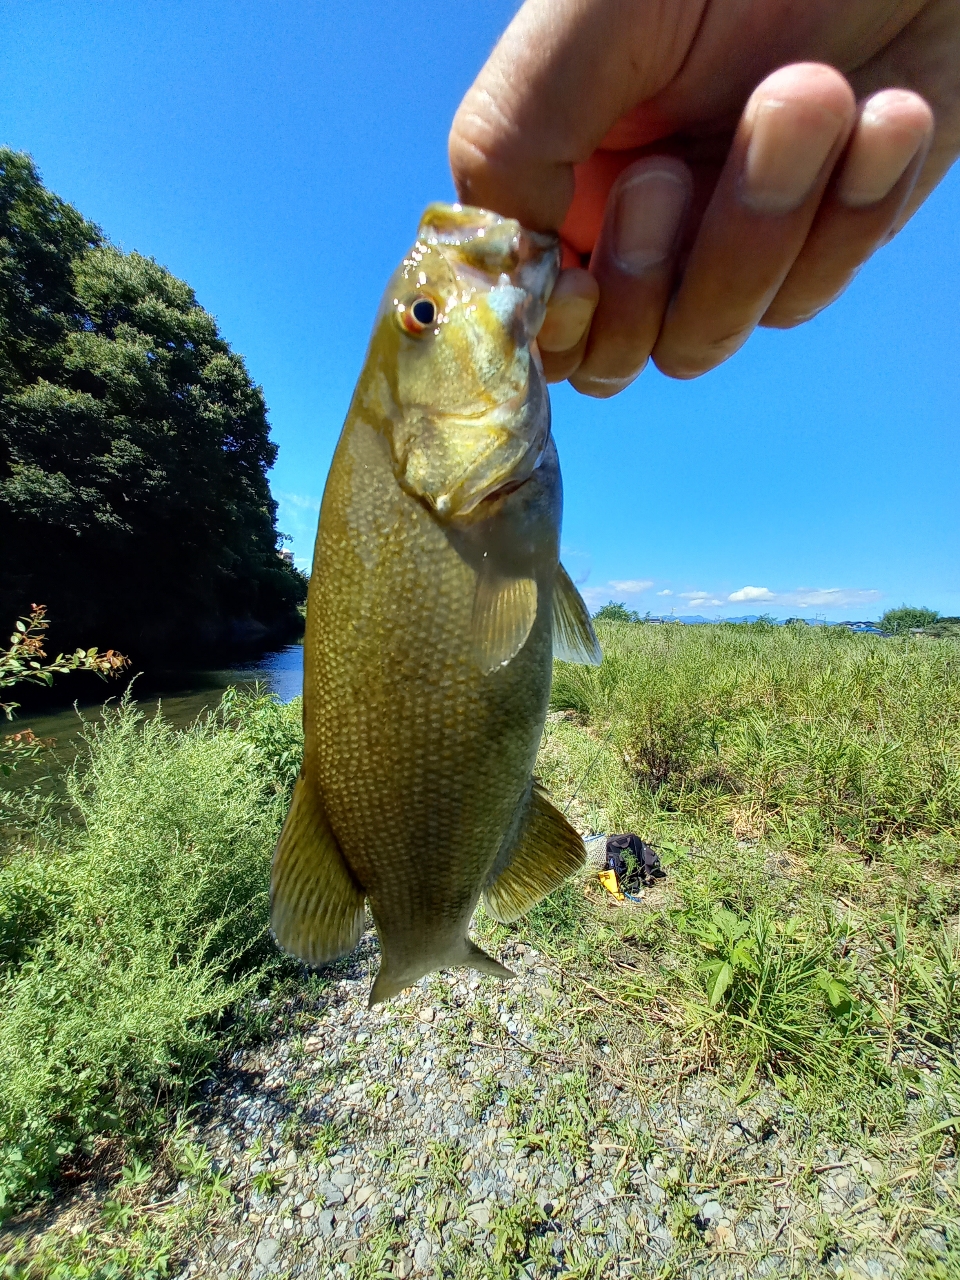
{"x": 437, "y": 603}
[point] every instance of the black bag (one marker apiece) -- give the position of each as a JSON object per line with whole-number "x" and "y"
{"x": 635, "y": 862}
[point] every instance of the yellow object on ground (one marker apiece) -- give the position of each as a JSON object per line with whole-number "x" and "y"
{"x": 612, "y": 885}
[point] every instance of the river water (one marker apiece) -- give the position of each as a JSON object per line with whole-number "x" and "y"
{"x": 180, "y": 698}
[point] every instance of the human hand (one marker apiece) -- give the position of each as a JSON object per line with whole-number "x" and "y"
{"x": 713, "y": 178}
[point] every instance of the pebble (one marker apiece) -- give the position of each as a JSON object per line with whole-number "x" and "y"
{"x": 435, "y": 1152}
{"x": 266, "y": 1251}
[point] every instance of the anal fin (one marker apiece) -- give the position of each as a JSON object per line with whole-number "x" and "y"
{"x": 504, "y": 611}
{"x": 544, "y": 851}
{"x": 574, "y": 639}
{"x": 316, "y": 906}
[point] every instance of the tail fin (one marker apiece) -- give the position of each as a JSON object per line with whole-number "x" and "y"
{"x": 394, "y": 977}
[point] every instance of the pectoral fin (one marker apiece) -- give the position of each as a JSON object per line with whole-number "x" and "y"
{"x": 545, "y": 850}
{"x": 504, "y": 611}
{"x": 574, "y": 639}
{"x": 316, "y": 906}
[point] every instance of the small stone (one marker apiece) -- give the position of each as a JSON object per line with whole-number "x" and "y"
{"x": 725, "y": 1237}
{"x": 466, "y": 1163}
{"x": 344, "y": 1180}
{"x": 422, "y": 1254}
{"x": 710, "y": 1210}
{"x": 479, "y": 1215}
{"x": 364, "y": 1194}
{"x": 266, "y": 1251}
{"x": 331, "y": 1193}
{"x": 307, "y": 1209}
{"x": 402, "y": 1267}
{"x": 325, "y": 1222}
{"x": 426, "y": 1014}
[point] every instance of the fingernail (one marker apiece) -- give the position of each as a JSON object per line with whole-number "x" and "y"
{"x": 650, "y": 207}
{"x": 877, "y": 160}
{"x": 565, "y": 323}
{"x": 787, "y": 150}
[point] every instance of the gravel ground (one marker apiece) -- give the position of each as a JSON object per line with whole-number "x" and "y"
{"x": 454, "y": 1132}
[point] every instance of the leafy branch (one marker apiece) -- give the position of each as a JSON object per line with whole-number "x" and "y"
{"x": 24, "y": 662}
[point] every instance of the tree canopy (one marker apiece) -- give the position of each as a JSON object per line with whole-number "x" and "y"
{"x": 134, "y": 447}
{"x": 906, "y": 618}
{"x": 616, "y": 611}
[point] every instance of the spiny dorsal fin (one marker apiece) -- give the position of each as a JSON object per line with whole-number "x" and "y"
{"x": 545, "y": 851}
{"x": 316, "y": 906}
{"x": 504, "y": 611}
{"x": 574, "y": 639}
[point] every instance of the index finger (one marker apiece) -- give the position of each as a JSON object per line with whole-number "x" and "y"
{"x": 563, "y": 73}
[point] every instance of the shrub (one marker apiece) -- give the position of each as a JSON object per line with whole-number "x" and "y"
{"x": 126, "y": 939}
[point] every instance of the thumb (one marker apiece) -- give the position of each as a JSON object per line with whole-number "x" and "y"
{"x": 563, "y": 73}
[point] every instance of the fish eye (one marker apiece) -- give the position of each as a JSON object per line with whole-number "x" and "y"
{"x": 424, "y": 311}
{"x": 419, "y": 314}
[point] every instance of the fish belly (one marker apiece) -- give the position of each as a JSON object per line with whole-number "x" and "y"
{"x": 420, "y": 758}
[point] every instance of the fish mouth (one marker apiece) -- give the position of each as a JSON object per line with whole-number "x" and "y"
{"x": 488, "y": 247}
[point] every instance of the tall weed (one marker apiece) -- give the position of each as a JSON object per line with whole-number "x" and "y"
{"x": 815, "y": 734}
{"x": 126, "y": 938}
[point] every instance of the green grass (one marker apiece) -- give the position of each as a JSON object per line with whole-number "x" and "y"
{"x": 804, "y": 788}
{"x": 802, "y": 785}
{"x": 131, "y": 925}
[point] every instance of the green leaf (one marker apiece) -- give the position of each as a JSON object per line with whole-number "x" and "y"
{"x": 719, "y": 977}
{"x": 730, "y": 924}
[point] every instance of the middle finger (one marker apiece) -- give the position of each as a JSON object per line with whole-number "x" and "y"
{"x": 793, "y": 129}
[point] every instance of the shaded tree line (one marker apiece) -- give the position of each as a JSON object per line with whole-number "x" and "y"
{"x": 134, "y": 448}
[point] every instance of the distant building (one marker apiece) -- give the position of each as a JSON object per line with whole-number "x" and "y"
{"x": 286, "y": 555}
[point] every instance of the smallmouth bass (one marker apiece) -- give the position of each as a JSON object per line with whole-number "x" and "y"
{"x": 437, "y": 604}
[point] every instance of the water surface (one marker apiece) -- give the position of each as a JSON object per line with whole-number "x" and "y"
{"x": 181, "y": 697}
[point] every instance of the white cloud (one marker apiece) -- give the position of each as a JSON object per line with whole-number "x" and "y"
{"x": 697, "y": 602}
{"x": 595, "y": 596}
{"x": 664, "y": 593}
{"x": 631, "y": 586}
{"x": 807, "y": 597}
{"x": 830, "y": 597}
{"x": 751, "y": 593}
{"x": 305, "y": 501}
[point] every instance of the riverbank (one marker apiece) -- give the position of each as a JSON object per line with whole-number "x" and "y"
{"x": 751, "y": 1071}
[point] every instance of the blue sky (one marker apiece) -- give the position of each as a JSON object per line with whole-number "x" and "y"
{"x": 277, "y": 156}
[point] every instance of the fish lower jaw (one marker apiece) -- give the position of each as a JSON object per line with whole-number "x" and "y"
{"x": 443, "y": 504}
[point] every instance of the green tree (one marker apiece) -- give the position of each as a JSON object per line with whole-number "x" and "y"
{"x": 134, "y": 447}
{"x": 899, "y": 621}
{"x": 616, "y": 612}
